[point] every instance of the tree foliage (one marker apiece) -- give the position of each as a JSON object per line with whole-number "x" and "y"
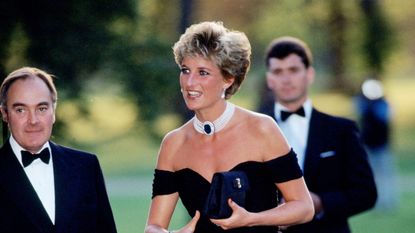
{"x": 378, "y": 37}
{"x": 68, "y": 38}
{"x": 131, "y": 40}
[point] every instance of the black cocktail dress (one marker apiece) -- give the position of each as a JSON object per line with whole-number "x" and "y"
{"x": 262, "y": 195}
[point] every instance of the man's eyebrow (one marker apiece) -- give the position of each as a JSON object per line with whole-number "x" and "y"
{"x": 18, "y": 104}
{"x": 43, "y": 103}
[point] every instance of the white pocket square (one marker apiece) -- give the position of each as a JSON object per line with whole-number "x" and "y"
{"x": 327, "y": 154}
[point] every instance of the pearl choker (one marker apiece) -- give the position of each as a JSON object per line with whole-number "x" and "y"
{"x": 209, "y": 128}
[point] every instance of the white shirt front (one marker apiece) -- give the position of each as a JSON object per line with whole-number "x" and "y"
{"x": 295, "y": 129}
{"x": 40, "y": 176}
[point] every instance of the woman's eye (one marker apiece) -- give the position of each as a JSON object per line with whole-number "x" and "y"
{"x": 184, "y": 70}
{"x": 203, "y": 73}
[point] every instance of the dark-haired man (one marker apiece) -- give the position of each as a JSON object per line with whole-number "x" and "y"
{"x": 329, "y": 150}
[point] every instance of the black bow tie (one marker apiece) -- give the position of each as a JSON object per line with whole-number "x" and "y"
{"x": 285, "y": 114}
{"x": 27, "y": 157}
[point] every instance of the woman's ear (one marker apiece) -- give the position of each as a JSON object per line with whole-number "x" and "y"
{"x": 228, "y": 82}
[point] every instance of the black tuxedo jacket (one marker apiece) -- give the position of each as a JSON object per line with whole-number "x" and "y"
{"x": 80, "y": 196}
{"x": 337, "y": 170}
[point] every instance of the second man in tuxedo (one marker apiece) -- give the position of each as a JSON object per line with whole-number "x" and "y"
{"x": 329, "y": 150}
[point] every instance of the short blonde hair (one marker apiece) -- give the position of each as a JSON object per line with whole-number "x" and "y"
{"x": 229, "y": 50}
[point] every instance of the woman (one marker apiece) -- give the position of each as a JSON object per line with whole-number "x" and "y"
{"x": 223, "y": 137}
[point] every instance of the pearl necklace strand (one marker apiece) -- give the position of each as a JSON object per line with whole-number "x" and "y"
{"x": 209, "y": 128}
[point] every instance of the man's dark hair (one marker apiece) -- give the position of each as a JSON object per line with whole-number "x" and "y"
{"x": 284, "y": 46}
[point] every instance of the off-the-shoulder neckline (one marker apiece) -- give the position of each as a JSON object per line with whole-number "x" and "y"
{"x": 231, "y": 169}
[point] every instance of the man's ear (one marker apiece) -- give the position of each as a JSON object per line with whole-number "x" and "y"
{"x": 3, "y": 113}
{"x": 268, "y": 81}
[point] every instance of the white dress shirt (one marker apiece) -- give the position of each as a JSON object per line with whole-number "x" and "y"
{"x": 295, "y": 129}
{"x": 41, "y": 177}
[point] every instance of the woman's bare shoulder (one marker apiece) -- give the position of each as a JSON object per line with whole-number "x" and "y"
{"x": 259, "y": 122}
{"x": 266, "y": 133}
{"x": 170, "y": 145}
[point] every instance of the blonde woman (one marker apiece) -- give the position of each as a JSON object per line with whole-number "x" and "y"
{"x": 222, "y": 137}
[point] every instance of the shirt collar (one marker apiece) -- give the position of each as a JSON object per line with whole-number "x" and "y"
{"x": 307, "y": 105}
{"x": 17, "y": 148}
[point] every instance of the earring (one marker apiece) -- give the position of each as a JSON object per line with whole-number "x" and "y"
{"x": 223, "y": 94}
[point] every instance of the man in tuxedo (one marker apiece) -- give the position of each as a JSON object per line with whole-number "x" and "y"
{"x": 45, "y": 187}
{"x": 329, "y": 149}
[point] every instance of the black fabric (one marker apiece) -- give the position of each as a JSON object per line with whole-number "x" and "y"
{"x": 28, "y": 158}
{"x": 81, "y": 199}
{"x": 288, "y": 168}
{"x": 225, "y": 185}
{"x": 375, "y": 123}
{"x": 285, "y": 114}
{"x": 163, "y": 183}
{"x": 262, "y": 195}
{"x": 336, "y": 169}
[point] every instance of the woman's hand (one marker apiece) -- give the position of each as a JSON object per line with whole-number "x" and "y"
{"x": 238, "y": 218}
{"x": 190, "y": 226}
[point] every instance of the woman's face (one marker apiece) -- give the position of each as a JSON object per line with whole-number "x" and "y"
{"x": 201, "y": 82}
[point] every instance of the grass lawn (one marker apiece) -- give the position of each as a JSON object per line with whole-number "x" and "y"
{"x": 400, "y": 220}
{"x": 131, "y": 214}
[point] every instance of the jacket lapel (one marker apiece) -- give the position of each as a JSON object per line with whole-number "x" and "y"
{"x": 313, "y": 143}
{"x": 65, "y": 183}
{"x": 18, "y": 186}
{"x": 271, "y": 112}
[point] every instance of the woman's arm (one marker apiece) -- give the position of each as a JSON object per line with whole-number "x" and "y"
{"x": 160, "y": 213}
{"x": 189, "y": 228}
{"x": 162, "y": 206}
{"x": 298, "y": 207}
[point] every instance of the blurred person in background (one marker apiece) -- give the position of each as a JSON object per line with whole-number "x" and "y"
{"x": 222, "y": 137}
{"x": 329, "y": 150}
{"x": 375, "y": 118}
{"x": 45, "y": 187}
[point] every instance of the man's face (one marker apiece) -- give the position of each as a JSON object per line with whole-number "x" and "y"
{"x": 289, "y": 79}
{"x": 30, "y": 113}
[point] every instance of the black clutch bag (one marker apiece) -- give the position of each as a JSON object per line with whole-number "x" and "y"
{"x": 225, "y": 185}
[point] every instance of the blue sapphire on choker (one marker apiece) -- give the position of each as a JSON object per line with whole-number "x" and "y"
{"x": 208, "y": 127}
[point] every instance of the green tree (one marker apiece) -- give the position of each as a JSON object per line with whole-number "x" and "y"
{"x": 378, "y": 36}
{"x": 337, "y": 23}
{"x": 68, "y": 38}
{"x": 145, "y": 64}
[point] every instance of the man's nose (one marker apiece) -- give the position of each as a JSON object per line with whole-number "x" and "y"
{"x": 286, "y": 77}
{"x": 33, "y": 117}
